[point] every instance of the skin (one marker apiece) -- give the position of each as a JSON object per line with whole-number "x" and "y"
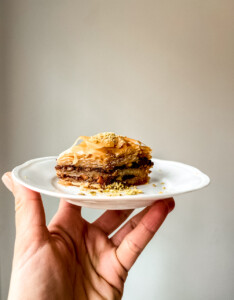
{"x": 72, "y": 258}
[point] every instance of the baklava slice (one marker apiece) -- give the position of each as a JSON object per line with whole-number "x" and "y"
{"x": 103, "y": 159}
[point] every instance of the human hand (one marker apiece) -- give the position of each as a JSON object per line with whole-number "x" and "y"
{"x": 72, "y": 258}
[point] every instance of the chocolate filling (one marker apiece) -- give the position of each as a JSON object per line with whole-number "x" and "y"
{"x": 143, "y": 162}
{"x": 105, "y": 181}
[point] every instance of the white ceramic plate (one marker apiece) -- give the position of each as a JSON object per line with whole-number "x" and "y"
{"x": 171, "y": 178}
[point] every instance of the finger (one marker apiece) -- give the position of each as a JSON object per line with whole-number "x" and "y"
{"x": 135, "y": 241}
{"x": 67, "y": 213}
{"x": 6, "y": 179}
{"x": 129, "y": 226}
{"x": 64, "y": 205}
{"x": 29, "y": 211}
{"x": 132, "y": 223}
{"x": 67, "y": 219}
{"x": 112, "y": 219}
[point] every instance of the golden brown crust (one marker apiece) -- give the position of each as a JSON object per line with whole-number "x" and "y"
{"x": 121, "y": 159}
{"x": 104, "y": 149}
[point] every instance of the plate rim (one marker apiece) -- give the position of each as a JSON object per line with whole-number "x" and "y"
{"x": 204, "y": 182}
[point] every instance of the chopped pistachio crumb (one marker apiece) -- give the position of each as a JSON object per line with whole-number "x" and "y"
{"x": 82, "y": 194}
{"x": 93, "y": 193}
{"x": 106, "y": 137}
{"x": 154, "y": 185}
{"x": 133, "y": 191}
{"x": 164, "y": 187}
{"x": 119, "y": 189}
{"x": 162, "y": 182}
{"x": 114, "y": 189}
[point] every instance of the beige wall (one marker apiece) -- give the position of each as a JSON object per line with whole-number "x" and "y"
{"x": 160, "y": 71}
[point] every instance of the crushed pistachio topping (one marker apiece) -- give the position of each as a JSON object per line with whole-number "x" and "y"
{"x": 154, "y": 184}
{"x": 105, "y": 138}
{"x": 119, "y": 189}
{"x": 114, "y": 189}
{"x": 93, "y": 193}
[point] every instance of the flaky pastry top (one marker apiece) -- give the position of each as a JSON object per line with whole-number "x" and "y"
{"x": 104, "y": 150}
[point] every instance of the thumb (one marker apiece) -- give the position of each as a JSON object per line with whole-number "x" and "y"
{"x": 29, "y": 211}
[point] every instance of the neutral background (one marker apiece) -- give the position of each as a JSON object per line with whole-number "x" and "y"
{"x": 158, "y": 71}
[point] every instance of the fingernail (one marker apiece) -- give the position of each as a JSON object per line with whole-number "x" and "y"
{"x": 170, "y": 203}
{"x": 6, "y": 179}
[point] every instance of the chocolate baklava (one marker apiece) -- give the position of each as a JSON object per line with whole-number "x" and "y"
{"x": 103, "y": 159}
